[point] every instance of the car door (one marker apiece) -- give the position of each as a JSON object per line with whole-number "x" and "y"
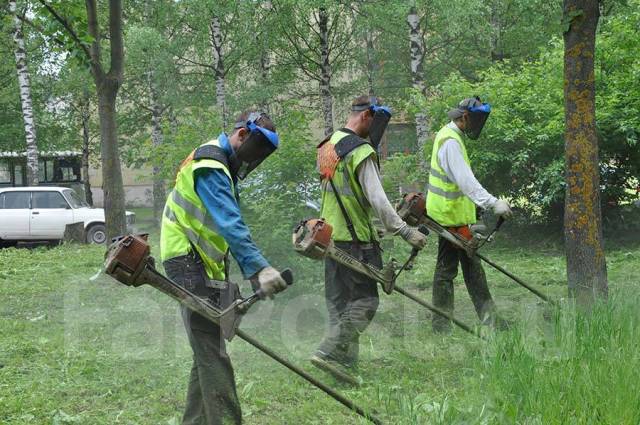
{"x": 50, "y": 213}
{"x": 14, "y": 214}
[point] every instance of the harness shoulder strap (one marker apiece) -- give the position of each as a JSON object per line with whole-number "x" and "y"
{"x": 348, "y": 144}
{"x": 213, "y": 152}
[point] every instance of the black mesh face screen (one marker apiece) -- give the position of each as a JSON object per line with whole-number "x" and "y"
{"x": 378, "y": 127}
{"x": 251, "y": 154}
{"x": 476, "y": 121}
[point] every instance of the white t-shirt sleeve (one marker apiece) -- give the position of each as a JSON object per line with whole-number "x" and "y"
{"x": 369, "y": 178}
{"x": 452, "y": 161}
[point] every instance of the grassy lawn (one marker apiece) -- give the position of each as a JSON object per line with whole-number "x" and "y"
{"x": 79, "y": 348}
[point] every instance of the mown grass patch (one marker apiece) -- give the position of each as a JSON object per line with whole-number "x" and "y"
{"x": 77, "y": 350}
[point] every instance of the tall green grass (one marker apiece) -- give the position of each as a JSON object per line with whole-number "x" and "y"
{"x": 563, "y": 366}
{"x": 583, "y": 367}
{"x": 76, "y": 350}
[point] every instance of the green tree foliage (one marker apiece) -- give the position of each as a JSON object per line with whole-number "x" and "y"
{"x": 502, "y": 50}
{"x": 520, "y": 153}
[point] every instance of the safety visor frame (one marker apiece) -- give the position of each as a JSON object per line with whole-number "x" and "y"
{"x": 372, "y": 105}
{"x": 380, "y": 108}
{"x": 485, "y": 108}
{"x": 271, "y": 136}
{"x": 252, "y": 125}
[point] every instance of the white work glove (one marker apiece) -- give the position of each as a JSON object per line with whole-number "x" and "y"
{"x": 502, "y": 208}
{"x": 270, "y": 282}
{"x": 413, "y": 237}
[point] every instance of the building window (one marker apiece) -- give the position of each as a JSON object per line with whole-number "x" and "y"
{"x": 66, "y": 170}
{"x": 5, "y": 171}
{"x": 18, "y": 179}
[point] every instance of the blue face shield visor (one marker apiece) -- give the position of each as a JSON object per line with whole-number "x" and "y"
{"x": 483, "y": 108}
{"x": 260, "y": 143}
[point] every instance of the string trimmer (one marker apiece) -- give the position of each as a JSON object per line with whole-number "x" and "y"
{"x": 128, "y": 261}
{"x": 412, "y": 209}
{"x": 312, "y": 239}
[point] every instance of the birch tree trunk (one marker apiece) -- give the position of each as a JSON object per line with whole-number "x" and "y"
{"x": 325, "y": 72}
{"x": 157, "y": 139}
{"x": 264, "y": 76}
{"x": 265, "y": 61}
{"x": 371, "y": 66}
{"x": 215, "y": 33}
{"x": 85, "y": 115}
{"x": 417, "y": 51}
{"x": 586, "y": 263}
{"x": 25, "y": 97}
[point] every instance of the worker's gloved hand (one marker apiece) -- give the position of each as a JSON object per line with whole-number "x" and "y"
{"x": 413, "y": 236}
{"x": 270, "y": 282}
{"x": 502, "y": 208}
{"x": 478, "y": 231}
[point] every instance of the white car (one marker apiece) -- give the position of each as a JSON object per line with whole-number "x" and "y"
{"x": 40, "y": 213}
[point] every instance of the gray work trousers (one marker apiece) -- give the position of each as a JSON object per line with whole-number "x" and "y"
{"x": 449, "y": 256}
{"x": 352, "y": 301}
{"x": 211, "y": 395}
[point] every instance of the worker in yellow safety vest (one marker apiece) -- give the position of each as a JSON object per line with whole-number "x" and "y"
{"x": 452, "y": 196}
{"x": 201, "y": 224}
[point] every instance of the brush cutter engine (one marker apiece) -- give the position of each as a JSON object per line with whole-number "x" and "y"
{"x": 412, "y": 208}
{"x": 128, "y": 261}
{"x": 312, "y": 238}
{"x": 127, "y": 257}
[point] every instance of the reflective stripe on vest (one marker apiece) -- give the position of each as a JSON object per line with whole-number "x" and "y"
{"x": 446, "y": 203}
{"x": 448, "y": 195}
{"x": 186, "y": 224}
{"x": 343, "y": 190}
{"x": 437, "y": 174}
{"x": 210, "y": 250}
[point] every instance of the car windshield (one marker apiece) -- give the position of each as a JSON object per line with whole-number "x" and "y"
{"x": 74, "y": 199}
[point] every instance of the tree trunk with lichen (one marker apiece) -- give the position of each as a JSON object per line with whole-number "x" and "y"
{"x": 586, "y": 264}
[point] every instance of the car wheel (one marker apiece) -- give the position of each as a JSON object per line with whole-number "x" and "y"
{"x": 8, "y": 244}
{"x": 97, "y": 234}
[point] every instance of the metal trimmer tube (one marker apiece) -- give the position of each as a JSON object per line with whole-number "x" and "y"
{"x": 517, "y": 279}
{"x": 346, "y": 260}
{"x": 439, "y": 312}
{"x": 412, "y": 209}
{"x": 384, "y": 276}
